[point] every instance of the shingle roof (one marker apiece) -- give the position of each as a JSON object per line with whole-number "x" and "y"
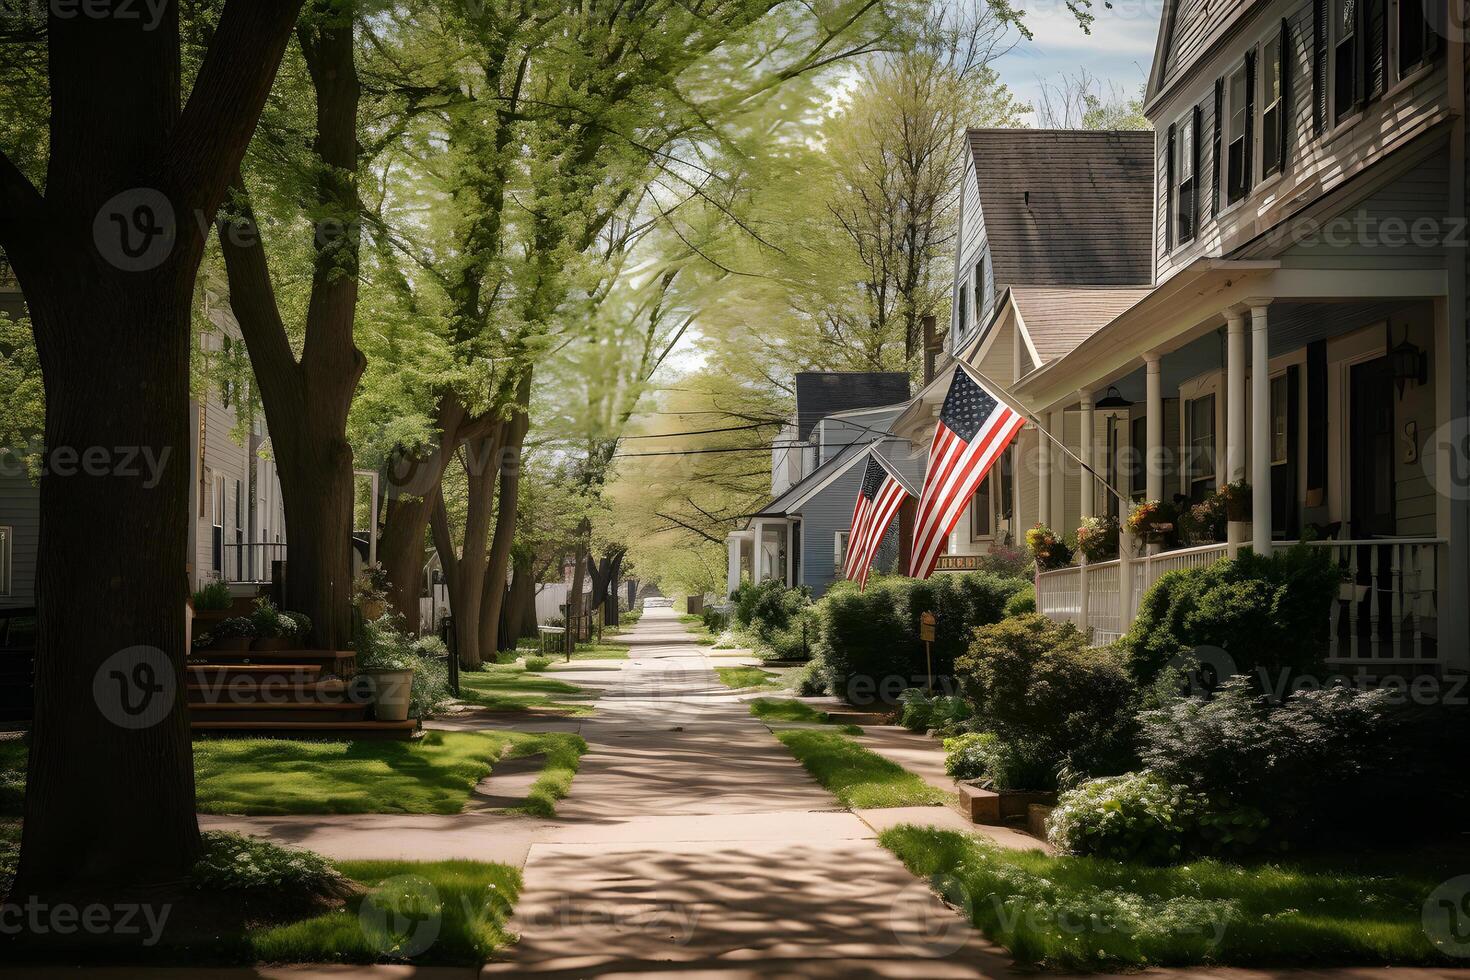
{"x": 1066, "y": 207}
{"x": 1058, "y": 318}
{"x": 822, "y": 393}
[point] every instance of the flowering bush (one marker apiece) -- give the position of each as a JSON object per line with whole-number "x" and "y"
{"x": 382, "y": 645}
{"x": 1047, "y": 548}
{"x": 968, "y": 756}
{"x": 1140, "y": 816}
{"x": 1097, "y": 538}
{"x": 270, "y": 623}
{"x": 235, "y": 626}
{"x": 254, "y": 867}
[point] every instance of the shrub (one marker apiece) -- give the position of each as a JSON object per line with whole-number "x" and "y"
{"x": 920, "y": 712}
{"x": 1005, "y": 561}
{"x": 235, "y": 626}
{"x": 967, "y": 757}
{"x": 253, "y": 868}
{"x": 1140, "y": 816}
{"x": 1267, "y": 613}
{"x": 869, "y": 640}
{"x": 811, "y": 680}
{"x": 1022, "y": 602}
{"x": 382, "y": 645}
{"x": 213, "y": 597}
{"x": 774, "y": 614}
{"x": 536, "y": 664}
{"x": 1036, "y": 683}
{"x": 269, "y": 622}
{"x": 1297, "y": 760}
{"x": 715, "y": 620}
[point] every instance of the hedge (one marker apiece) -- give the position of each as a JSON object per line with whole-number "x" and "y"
{"x": 869, "y": 641}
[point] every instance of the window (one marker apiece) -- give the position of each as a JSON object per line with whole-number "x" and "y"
{"x": 1185, "y": 168}
{"x": 6, "y": 536}
{"x": 1238, "y": 155}
{"x": 1273, "y": 111}
{"x": 1278, "y": 420}
{"x": 982, "y": 510}
{"x": 962, "y": 311}
{"x": 980, "y": 290}
{"x": 839, "y": 550}
{"x": 1137, "y": 457}
{"x": 1418, "y": 34}
{"x": 1347, "y": 64}
{"x": 217, "y": 540}
{"x": 1200, "y": 441}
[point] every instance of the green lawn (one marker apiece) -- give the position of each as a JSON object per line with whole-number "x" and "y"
{"x": 743, "y": 678}
{"x": 434, "y": 774}
{"x": 513, "y": 688}
{"x": 859, "y": 778}
{"x": 777, "y": 710}
{"x": 1086, "y": 913}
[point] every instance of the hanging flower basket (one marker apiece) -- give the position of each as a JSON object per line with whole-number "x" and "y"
{"x": 1237, "y": 499}
{"x": 1153, "y": 521}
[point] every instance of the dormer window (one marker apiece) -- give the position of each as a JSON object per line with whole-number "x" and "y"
{"x": 1241, "y": 91}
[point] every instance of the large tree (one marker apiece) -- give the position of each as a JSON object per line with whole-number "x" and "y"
{"x": 106, "y": 246}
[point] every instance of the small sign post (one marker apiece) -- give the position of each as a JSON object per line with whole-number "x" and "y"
{"x": 926, "y": 633}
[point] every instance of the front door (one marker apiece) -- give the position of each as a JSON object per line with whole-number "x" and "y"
{"x": 1371, "y": 450}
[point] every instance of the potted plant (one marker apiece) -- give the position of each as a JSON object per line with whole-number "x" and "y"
{"x": 273, "y": 629}
{"x": 1205, "y": 522}
{"x": 1047, "y": 549}
{"x": 1152, "y": 520}
{"x": 385, "y": 663}
{"x": 371, "y": 592}
{"x": 233, "y": 634}
{"x": 1097, "y": 539}
{"x": 214, "y": 597}
{"x": 1237, "y": 500}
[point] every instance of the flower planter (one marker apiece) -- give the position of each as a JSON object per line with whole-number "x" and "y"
{"x": 231, "y": 644}
{"x": 271, "y": 644}
{"x": 391, "y": 690}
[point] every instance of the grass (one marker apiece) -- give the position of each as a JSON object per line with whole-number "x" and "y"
{"x": 859, "y": 778}
{"x": 1088, "y": 913}
{"x": 563, "y": 757}
{"x": 743, "y": 678}
{"x": 471, "y": 901}
{"x": 786, "y": 710}
{"x": 512, "y": 688}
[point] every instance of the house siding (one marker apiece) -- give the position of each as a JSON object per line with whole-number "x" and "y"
{"x": 20, "y": 510}
{"x": 972, "y": 246}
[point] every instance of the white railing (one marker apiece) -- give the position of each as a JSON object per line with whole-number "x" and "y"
{"x": 1105, "y": 601}
{"x": 1387, "y": 607}
{"x": 1059, "y": 595}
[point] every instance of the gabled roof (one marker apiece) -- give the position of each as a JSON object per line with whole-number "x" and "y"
{"x": 823, "y": 393}
{"x": 1189, "y": 30}
{"x": 1066, "y": 207}
{"x": 790, "y": 499}
{"x": 1058, "y": 318}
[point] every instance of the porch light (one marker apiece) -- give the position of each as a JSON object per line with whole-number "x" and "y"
{"x": 1114, "y": 399}
{"x": 1409, "y": 363}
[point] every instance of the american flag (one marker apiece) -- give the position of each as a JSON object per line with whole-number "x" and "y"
{"x": 879, "y": 498}
{"x": 974, "y": 429}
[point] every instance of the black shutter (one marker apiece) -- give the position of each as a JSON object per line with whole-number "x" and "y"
{"x": 1319, "y": 66}
{"x": 1215, "y": 147}
{"x": 1250, "y": 120}
{"x": 1437, "y": 20}
{"x": 1285, "y": 114}
{"x": 1169, "y": 192}
{"x": 1195, "y": 184}
{"x": 1375, "y": 47}
{"x": 1317, "y": 417}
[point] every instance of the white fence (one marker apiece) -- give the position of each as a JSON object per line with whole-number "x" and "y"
{"x": 1386, "y": 610}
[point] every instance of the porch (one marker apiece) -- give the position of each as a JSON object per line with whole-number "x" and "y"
{"x": 1342, "y": 444}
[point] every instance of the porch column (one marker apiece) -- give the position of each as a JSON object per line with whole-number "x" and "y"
{"x": 1087, "y": 439}
{"x": 1260, "y": 432}
{"x": 758, "y": 528}
{"x": 732, "y": 569}
{"x": 1235, "y": 434}
{"x": 1056, "y": 424}
{"x": 1154, "y": 422}
{"x": 1043, "y": 475}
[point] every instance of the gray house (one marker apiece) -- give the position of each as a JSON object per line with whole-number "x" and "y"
{"x": 799, "y": 536}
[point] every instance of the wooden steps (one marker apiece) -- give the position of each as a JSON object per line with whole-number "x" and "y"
{"x": 339, "y": 662}
{"x": 401, "y": 731}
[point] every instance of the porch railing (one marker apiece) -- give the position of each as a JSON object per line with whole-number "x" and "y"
{"x": 1386, "y": 610}
{"x": 250, "y": 563}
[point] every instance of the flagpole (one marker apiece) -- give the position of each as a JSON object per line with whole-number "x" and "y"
{"x": 1011, "y": 404}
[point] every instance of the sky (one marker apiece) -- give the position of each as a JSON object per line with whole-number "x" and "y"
{"x": 1119, "y": 50}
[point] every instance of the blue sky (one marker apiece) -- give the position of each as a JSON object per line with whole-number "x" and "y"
{"x": 1119, "y": 50}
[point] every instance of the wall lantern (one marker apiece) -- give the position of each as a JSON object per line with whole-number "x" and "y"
{"x": 1409, "y": 364}
{"x": 1113, "y": 399}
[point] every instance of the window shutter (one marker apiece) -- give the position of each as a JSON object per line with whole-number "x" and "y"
{"x": 1375, "y": 48}
{"x": 1169, "y": 191}
{"x": 1436, "y": 13}
{"x": 1319, "y": 66}
{"x": 1194, "y": 208}
{"x": 1284, "y": 116}
{"x": 1250, "y": 117}
{"x": 1215, "y": 147}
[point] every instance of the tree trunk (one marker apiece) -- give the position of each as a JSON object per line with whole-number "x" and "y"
{"x": 579, "y": 570}
{"x": 465, "y": 570}
{"x": 110, "y": 787}
{"x": 520, "y": 603}
{"x": 505, "y": 518}
{"x": 315, "y": 470}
